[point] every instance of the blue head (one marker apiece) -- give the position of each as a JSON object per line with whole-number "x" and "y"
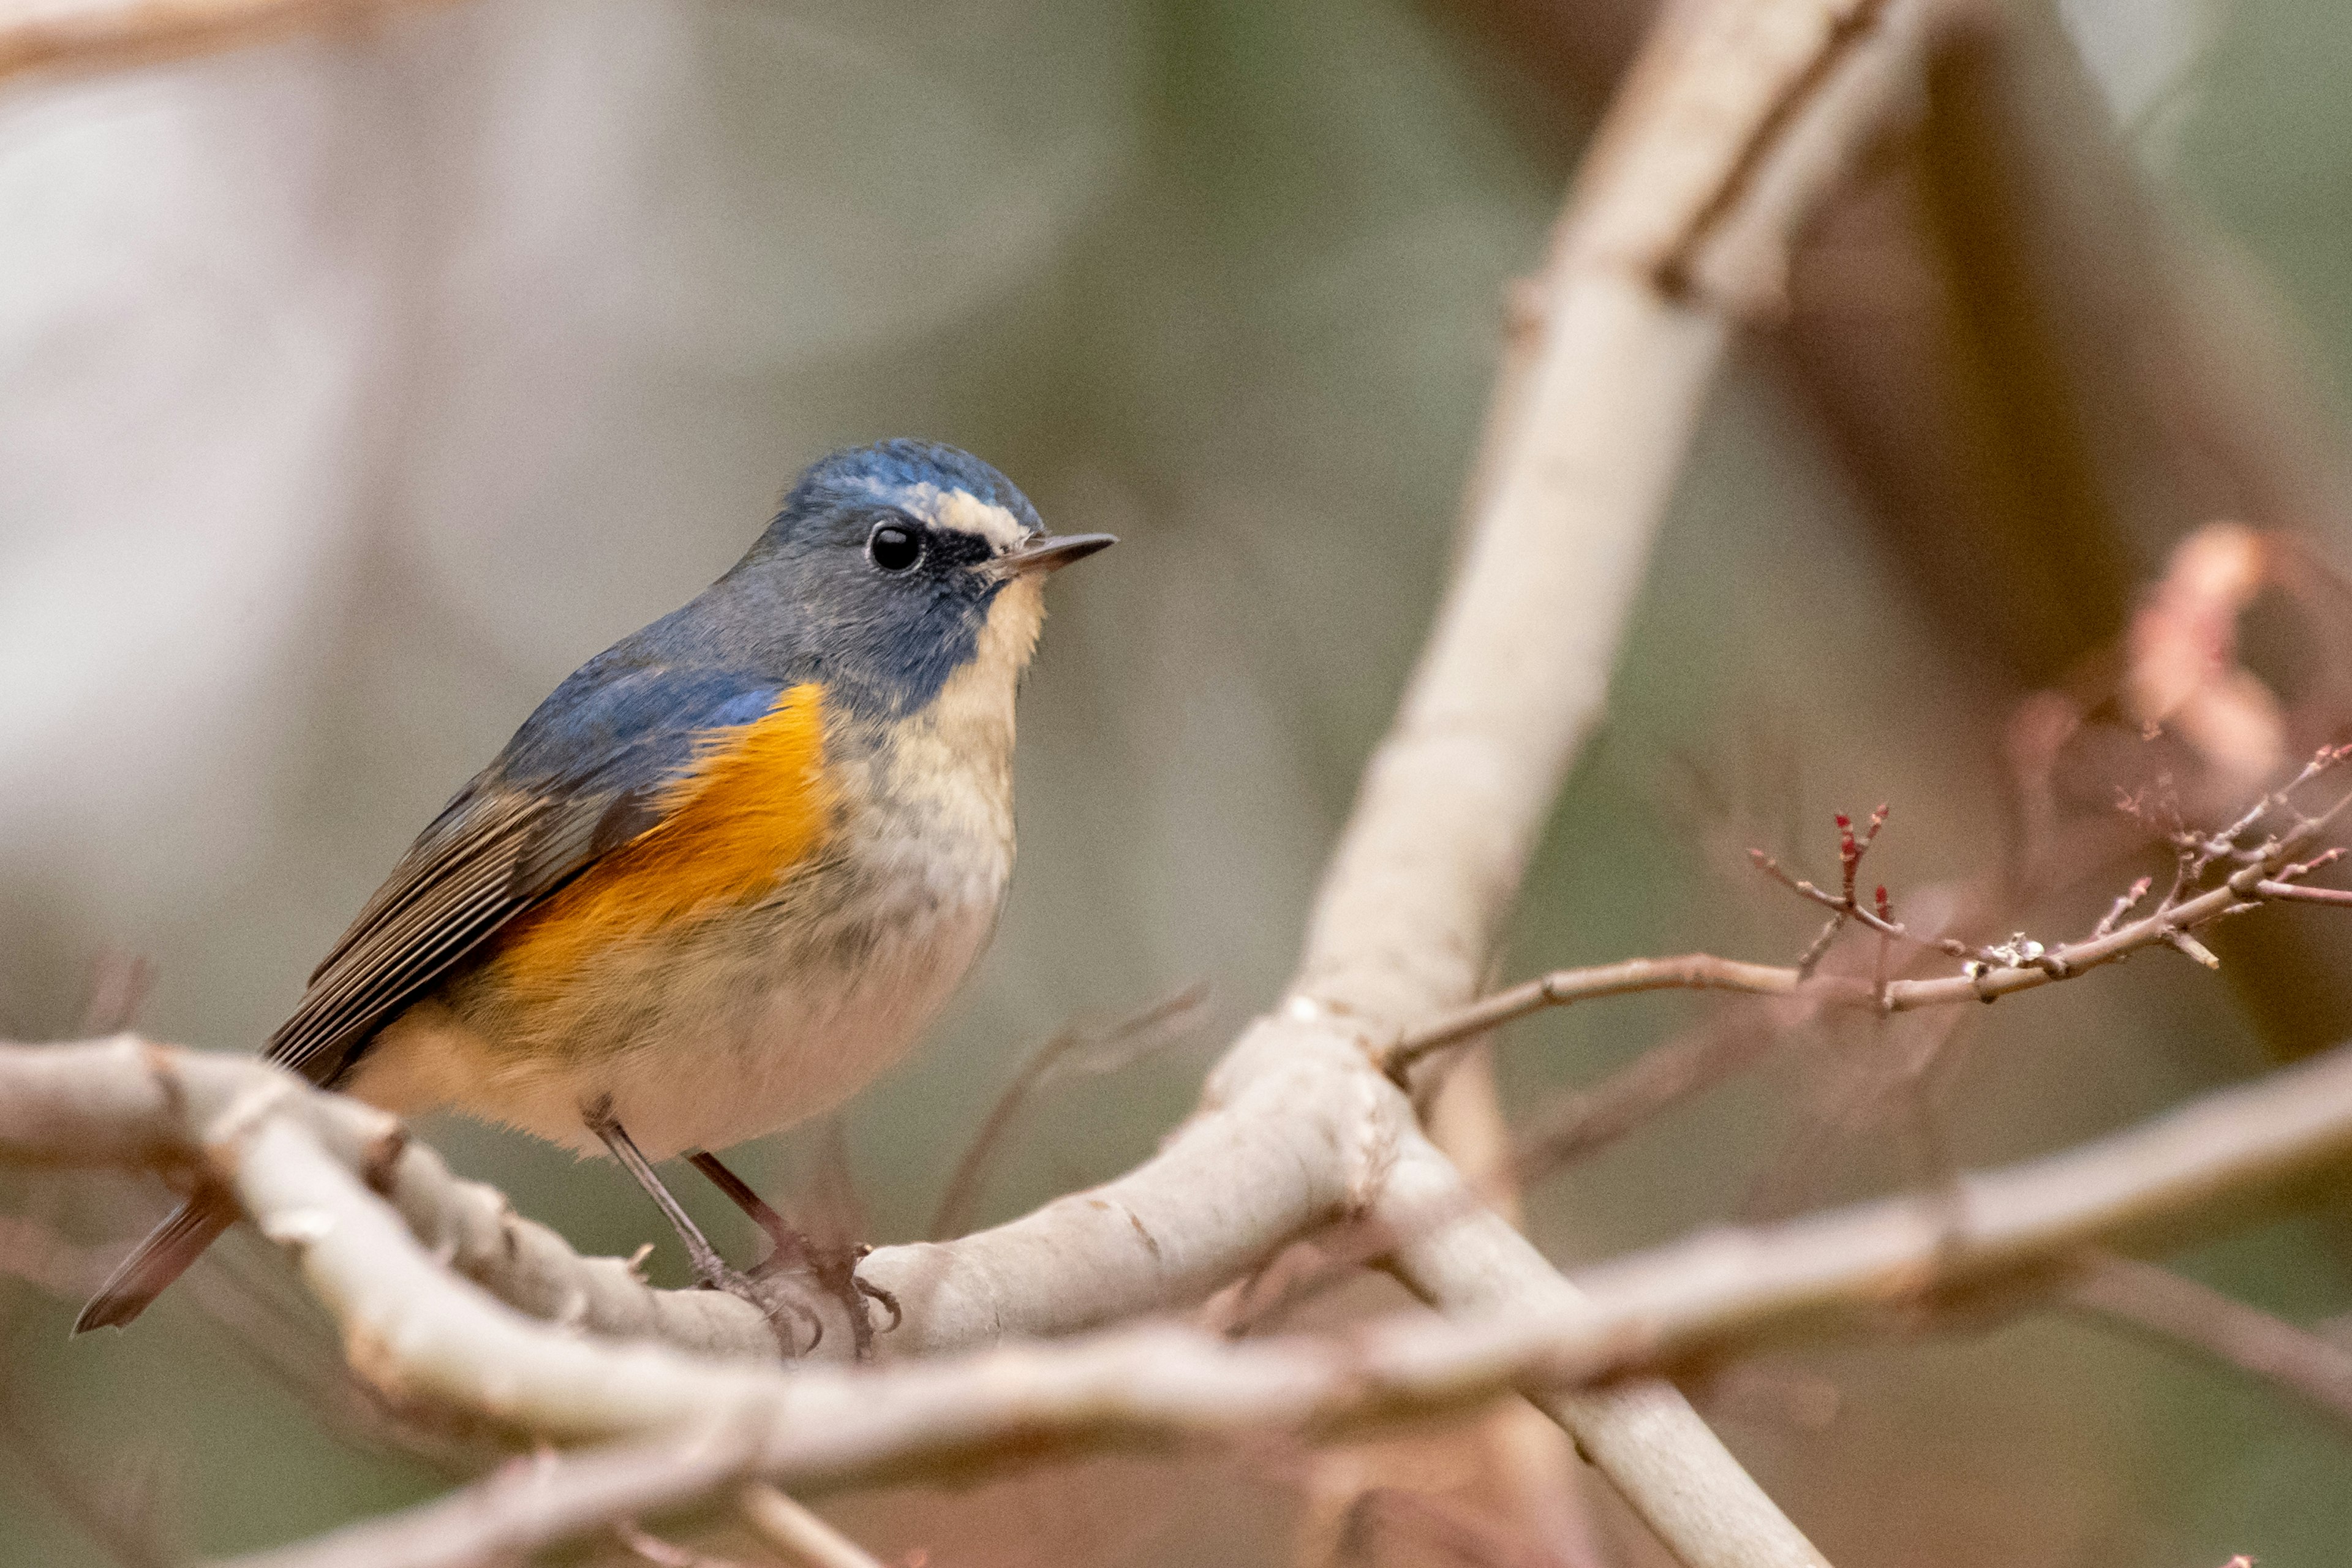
{"x": 896, "y": 565}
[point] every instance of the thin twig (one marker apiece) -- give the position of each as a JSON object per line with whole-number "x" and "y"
{"x": 1073, "y": 1049}
{"x": 2181, "y": 1312}
{"x": 1573, "y": 1125}
{"x": 1988, "y": 973}
{"x": 119, "y": 984}
{"x": 662, "y": 1553}
{"x": 103, "y": 36}
{"x": 103, "y": 1515}
{"x": 1689, "y": 971}
{"x": 798, "y": 1534}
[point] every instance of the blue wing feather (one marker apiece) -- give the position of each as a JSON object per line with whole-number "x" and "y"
{"x": 582, "y": 776}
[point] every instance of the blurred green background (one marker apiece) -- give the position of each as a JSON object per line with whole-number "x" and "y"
{"x": 356, "y": 387}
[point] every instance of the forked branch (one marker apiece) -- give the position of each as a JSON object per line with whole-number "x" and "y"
{"x": 2261, "y": 869}
{"x": 2013, "y": 1234}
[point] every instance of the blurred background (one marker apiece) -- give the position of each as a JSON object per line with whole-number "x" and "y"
{"x": 355, "y": 385}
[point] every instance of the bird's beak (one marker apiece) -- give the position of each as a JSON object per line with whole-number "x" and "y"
{"x": 1052, "y": 552}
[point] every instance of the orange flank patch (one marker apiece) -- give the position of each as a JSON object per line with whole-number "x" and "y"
{"x": 755, "y": 805}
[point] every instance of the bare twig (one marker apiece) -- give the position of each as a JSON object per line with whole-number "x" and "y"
{"x": 2294, "y": 893}
{"x": 259, "y": 1323}
{"x": 1572, "y": 1127}
{"x": 2126, "y": 902}
{"x": 2180, "y": 1311}
{"x": 2264, "y": 871}
{"x": 110, "y": 1517}
{"x": 800, "y": 1535}
{"x": 119, "y": 984}
{"x": 1689, "y": 971}
{"x": 1447, "y": 1532}
{"x": 1073, "y": 1049}
{"x": 113, "y": 33}
{"x": 662, "y": 1553}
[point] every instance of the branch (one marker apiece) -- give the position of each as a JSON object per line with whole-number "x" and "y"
{"x": 796, "y": 1533}
{"x": 127, "y": 1103}
{"x": 140, "y": 32}
{"x": 1728, "y": 130}
{"x": 1868, "y": 1266}
{"x": 662, "y": 1553}
{"x": 1689, "y": 971}
{"x": 1071, "y": 1050}
{"x": 2263, "y": 872}
{"x": 2180, "y": 1312}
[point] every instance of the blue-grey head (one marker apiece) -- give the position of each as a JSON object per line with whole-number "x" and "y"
{"x": 900, "y": 564}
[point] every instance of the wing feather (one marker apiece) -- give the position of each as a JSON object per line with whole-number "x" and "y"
{"x": 436, "y": 906}
{"x": 506, "y": 843}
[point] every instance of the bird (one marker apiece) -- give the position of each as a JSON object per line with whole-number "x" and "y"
{"x": 725, "y": 874}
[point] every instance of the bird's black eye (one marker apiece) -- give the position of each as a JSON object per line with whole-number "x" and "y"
{"x": 894, "y": 547}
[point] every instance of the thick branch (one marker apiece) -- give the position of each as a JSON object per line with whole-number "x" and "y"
{"x": 2156, "y": 1184}
{"x": 1731, "y": 125}
{"x": 127, "y": 1103}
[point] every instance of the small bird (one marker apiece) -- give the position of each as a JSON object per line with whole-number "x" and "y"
{"x": 725, "y": 872}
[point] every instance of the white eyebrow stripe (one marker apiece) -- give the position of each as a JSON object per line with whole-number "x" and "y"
{"x": 967, "y": 513}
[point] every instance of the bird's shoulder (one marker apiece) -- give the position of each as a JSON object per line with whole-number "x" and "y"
{"x": 624, "y": 746}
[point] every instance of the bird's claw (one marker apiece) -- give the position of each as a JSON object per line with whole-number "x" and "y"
{"x": 831, "y": 1269}
{"x": 779, "y": 1301}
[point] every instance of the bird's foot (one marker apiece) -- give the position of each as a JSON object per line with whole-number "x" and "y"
{"x": 833, "y": 1272}
{"x": 797, "y": 1260}
{"x": 798, "y": 1327}
{"x": 782, "y": 1305}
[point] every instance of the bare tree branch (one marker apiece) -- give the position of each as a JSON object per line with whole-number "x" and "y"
{"x": 1887, "y": 1263}
{"x": 663, "y": 1553}
{"x": 796, "y": 1533}
{"x": 2180, "y": 1311}
{"x": 1071, "y": 1049}
{"x": 114, "y": 34}
{"x": 2261, "y": 872}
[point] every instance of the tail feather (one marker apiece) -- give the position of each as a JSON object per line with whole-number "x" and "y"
{"x": 162, "y": 1258}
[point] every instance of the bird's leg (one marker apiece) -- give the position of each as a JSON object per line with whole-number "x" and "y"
{"x": 791, "y": 1249}
{"x": 833, "y": 1268}
{"x": 707, "y": 1266}
{"x": 778, "y": 1306}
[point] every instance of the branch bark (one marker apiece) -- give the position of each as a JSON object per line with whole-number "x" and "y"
{"x": 2010, "y": 1234}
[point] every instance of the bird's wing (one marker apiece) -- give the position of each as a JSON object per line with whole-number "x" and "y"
{"x": 583, "y": 776}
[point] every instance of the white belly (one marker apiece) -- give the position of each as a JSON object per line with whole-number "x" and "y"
{"x": 794, "y": 1048}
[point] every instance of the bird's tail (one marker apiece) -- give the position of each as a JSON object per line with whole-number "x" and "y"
{"x": 162, "y": 1258}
